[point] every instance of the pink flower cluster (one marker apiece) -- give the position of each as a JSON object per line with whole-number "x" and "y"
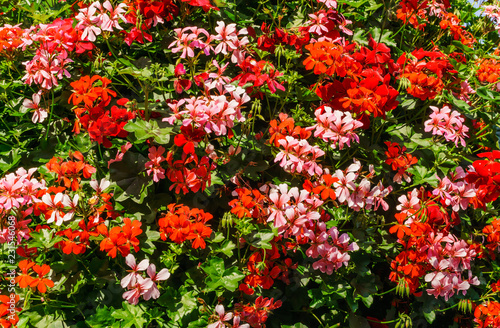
{"x": 409, "y": 204}
{"x": 46, "y": 68}
{"x": 447, "y": 123}
{"x": 154, "y": 165}
{"x": 190, "y": 38}
{"x": 335, "y": 127}
{"x": 331, "y": 247}
{"x": 299, "y": 156}
{"x": 329, "y": 3}
{"x": 493, "y": 12}
{"x": 94, "y": 19}
{"x": 17, "y": 196}
{"x": 229, "y": 41}
{"x": 327, "y": 24}
{"x": 290, "y": 210}
{"x": 214, "y": 113}
{"x": 57, "y": 36}
{"x": 360, "y": 196}
{"x": 223, "y": 317}
{"x": 18, "y": 191}
{"x": 449, "y": 263}
{"x": 53, "y": 43}
{"x": 139, "y": 286}
{"x": 295, "y": 213}
{"x": 40, "y": 113}
{"x": 455, "y": 191}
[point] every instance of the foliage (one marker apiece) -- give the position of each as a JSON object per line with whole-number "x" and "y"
{"x": 197, "y": 163}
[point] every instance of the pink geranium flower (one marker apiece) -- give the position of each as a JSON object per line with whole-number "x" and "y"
{"x": 222, "y": 317}
{"x": 131, "y": 279}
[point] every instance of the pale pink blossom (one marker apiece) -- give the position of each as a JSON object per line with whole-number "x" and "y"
{"x": 101, "y": 186}
{"x": 221, "y": 317}
{"x": 154, "y": 165}
{"x": 140, "y": 288}
{"x": 132, "y": 278}
{"x": 329, "y": 3}
{"x": 335, "y": 127}
{"x": 447, "y": 123}
{"x": 154, "y": 292}
{"x": 86, "y": 21}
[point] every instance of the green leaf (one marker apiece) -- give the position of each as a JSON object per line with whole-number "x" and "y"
{"x": 297, "y": 325}
{"x": 226, "y": 248}
{"x": 422, "y": 175}
{"x": 488, "y": 94}
{"x": 10, "y": 159}
{"x": 355, "y": 4}
{"x": 261, "y": 239}
{"x": 368, "y": 301}
{"x": 129, "y": 174}
{"x": 219, "y": 236}
{"x": 44, "y": 238}
{"x": 144, "y": 130}
{"x": 460, "y": 104}
{"x": 355, "y": 321}
{"x": 383, "y": 37}
{"x": 429, "y": 305}
{"x": 179, "y": 303}
{"x": 218, "y": 276}
{"x": 130, "y": 315}
{"x": 430, "y": 316}
{"x": 102, "y": 318}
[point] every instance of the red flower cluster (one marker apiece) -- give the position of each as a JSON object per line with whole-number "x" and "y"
{"x": 427, "y": 73}
{"x": 263, "y": 268}
{"x": 10, "y": 39}
{"x": 486, "y": 178}
{"x": 285, "y": 126}
{"x": 493, "y": 237}
{"x": 182, "y": 223}
{"x": 151, "y": 12}
{"x": 120, "y": 238}
{"x": 411, "y": 263}
{"x": 399, "y": 160}
{"x": 8, "y": 303}
{"x": 188, "y": 138}
{"x": 268, "y": 40}
{"x": 489, "y": 70}
{"x": 324, "y": 187}
{"x": 70, "y": 172}
{"x": 413, "y": 12}
{"x": 25, "y": 280}
{"x": 452, "y": 22}
{"x": 487, "y": 315}
{"x": 365, "y": 89}
{"x": 256, "y": 314}
{"x": 77, "y": 241}
{"x": 327, "y": 58}
{"x": 258, "y": 73}
{"x": 250, "y": 203}
{"x": 93, "y": 116}
{"x": 186, "y": 179}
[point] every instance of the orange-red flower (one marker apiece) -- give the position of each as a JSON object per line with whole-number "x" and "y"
{"x": 42, "y": 283}
{"x": 25, "y": 279}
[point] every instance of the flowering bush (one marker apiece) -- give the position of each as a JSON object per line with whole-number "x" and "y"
{"x": 202, "y": 163}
